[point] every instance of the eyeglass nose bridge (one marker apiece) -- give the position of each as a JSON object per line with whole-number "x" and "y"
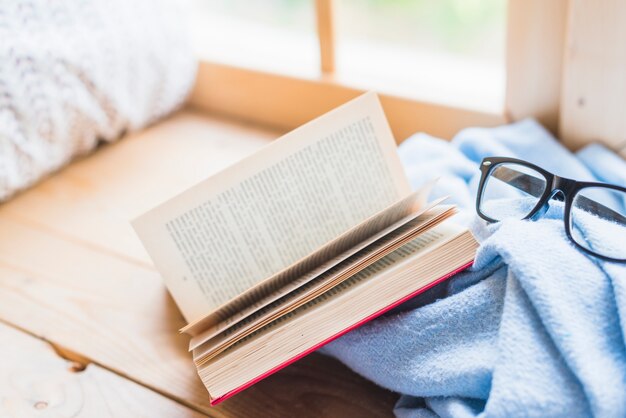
{"x": 560, "y": 189}
{"x": 563, "y": 185}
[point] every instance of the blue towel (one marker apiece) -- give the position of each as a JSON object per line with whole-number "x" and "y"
{"x": 536, "y": 328}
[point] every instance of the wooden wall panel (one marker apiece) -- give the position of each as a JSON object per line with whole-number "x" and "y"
{"x": 534, "y": 57}
{"x": 593, "y": 100}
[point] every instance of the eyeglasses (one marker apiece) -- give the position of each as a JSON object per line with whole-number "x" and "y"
{"x": 594, "y": 213}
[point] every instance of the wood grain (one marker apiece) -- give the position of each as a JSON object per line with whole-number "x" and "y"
{"x": 73, "y": 272}
{"x": 35, "y": 382}
{"x": 593, "y": 100}
{"x": 286, "y": 102}
{"x": 534, "y": 59}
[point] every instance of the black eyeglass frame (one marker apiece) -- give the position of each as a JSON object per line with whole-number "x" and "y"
{"x": 569, "y": 188}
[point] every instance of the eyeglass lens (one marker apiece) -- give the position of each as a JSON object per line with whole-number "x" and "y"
{"x": 598, "y": 221}
{"x": 511, "y": 191}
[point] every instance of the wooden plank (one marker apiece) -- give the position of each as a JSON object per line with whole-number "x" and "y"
{"x": 534, "y": 57}
{"x": 36, "y": 382}
{"x": 326, "y": 34}
{"x": 284, "y": 103}
{"x": 115, "y": 313}
{"x": 94, "y": 199}
{"x": 118, "y": 315}
{"x": 71, "y": 273}
{"x": 593, "y": 101}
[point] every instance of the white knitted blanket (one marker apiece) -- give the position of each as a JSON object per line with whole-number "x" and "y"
{"x": 73, "y": 73}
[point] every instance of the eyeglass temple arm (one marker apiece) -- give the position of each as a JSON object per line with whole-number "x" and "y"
{"x": 535, "y": 186}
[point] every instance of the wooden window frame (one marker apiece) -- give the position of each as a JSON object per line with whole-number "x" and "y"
{"x": 533, "y": 71}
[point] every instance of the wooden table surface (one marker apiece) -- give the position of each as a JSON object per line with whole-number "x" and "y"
{"x": 87, "y": 327}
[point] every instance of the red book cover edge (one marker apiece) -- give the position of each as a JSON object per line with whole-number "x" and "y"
{"x": 339, "y": 334}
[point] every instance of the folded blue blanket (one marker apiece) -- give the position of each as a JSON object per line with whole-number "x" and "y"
{"x": 534, "y": 328}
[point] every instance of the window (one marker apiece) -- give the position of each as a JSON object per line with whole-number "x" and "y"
{"x": 440, "y": 65}
{"x": 447, "y": 51}
{"x": 271, "y": 35}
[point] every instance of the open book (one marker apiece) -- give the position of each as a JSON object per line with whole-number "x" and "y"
{"x": 297, "y": 244}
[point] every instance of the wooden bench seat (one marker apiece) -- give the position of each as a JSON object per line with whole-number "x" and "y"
{"x": 73, "y": 274}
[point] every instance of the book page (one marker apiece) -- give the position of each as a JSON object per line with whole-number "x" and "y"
{"x": 323, "y": 258}
{"x": 331, "y": 315}
{"x": 259, "y": 216}
{"x": 333, "y": 277}
{"x": 394, "y": 265}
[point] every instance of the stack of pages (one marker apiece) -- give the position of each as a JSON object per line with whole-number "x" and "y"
{"x": 315, "y": 234}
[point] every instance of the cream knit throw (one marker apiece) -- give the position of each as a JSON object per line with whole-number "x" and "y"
{"x": 73, "y": 73}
